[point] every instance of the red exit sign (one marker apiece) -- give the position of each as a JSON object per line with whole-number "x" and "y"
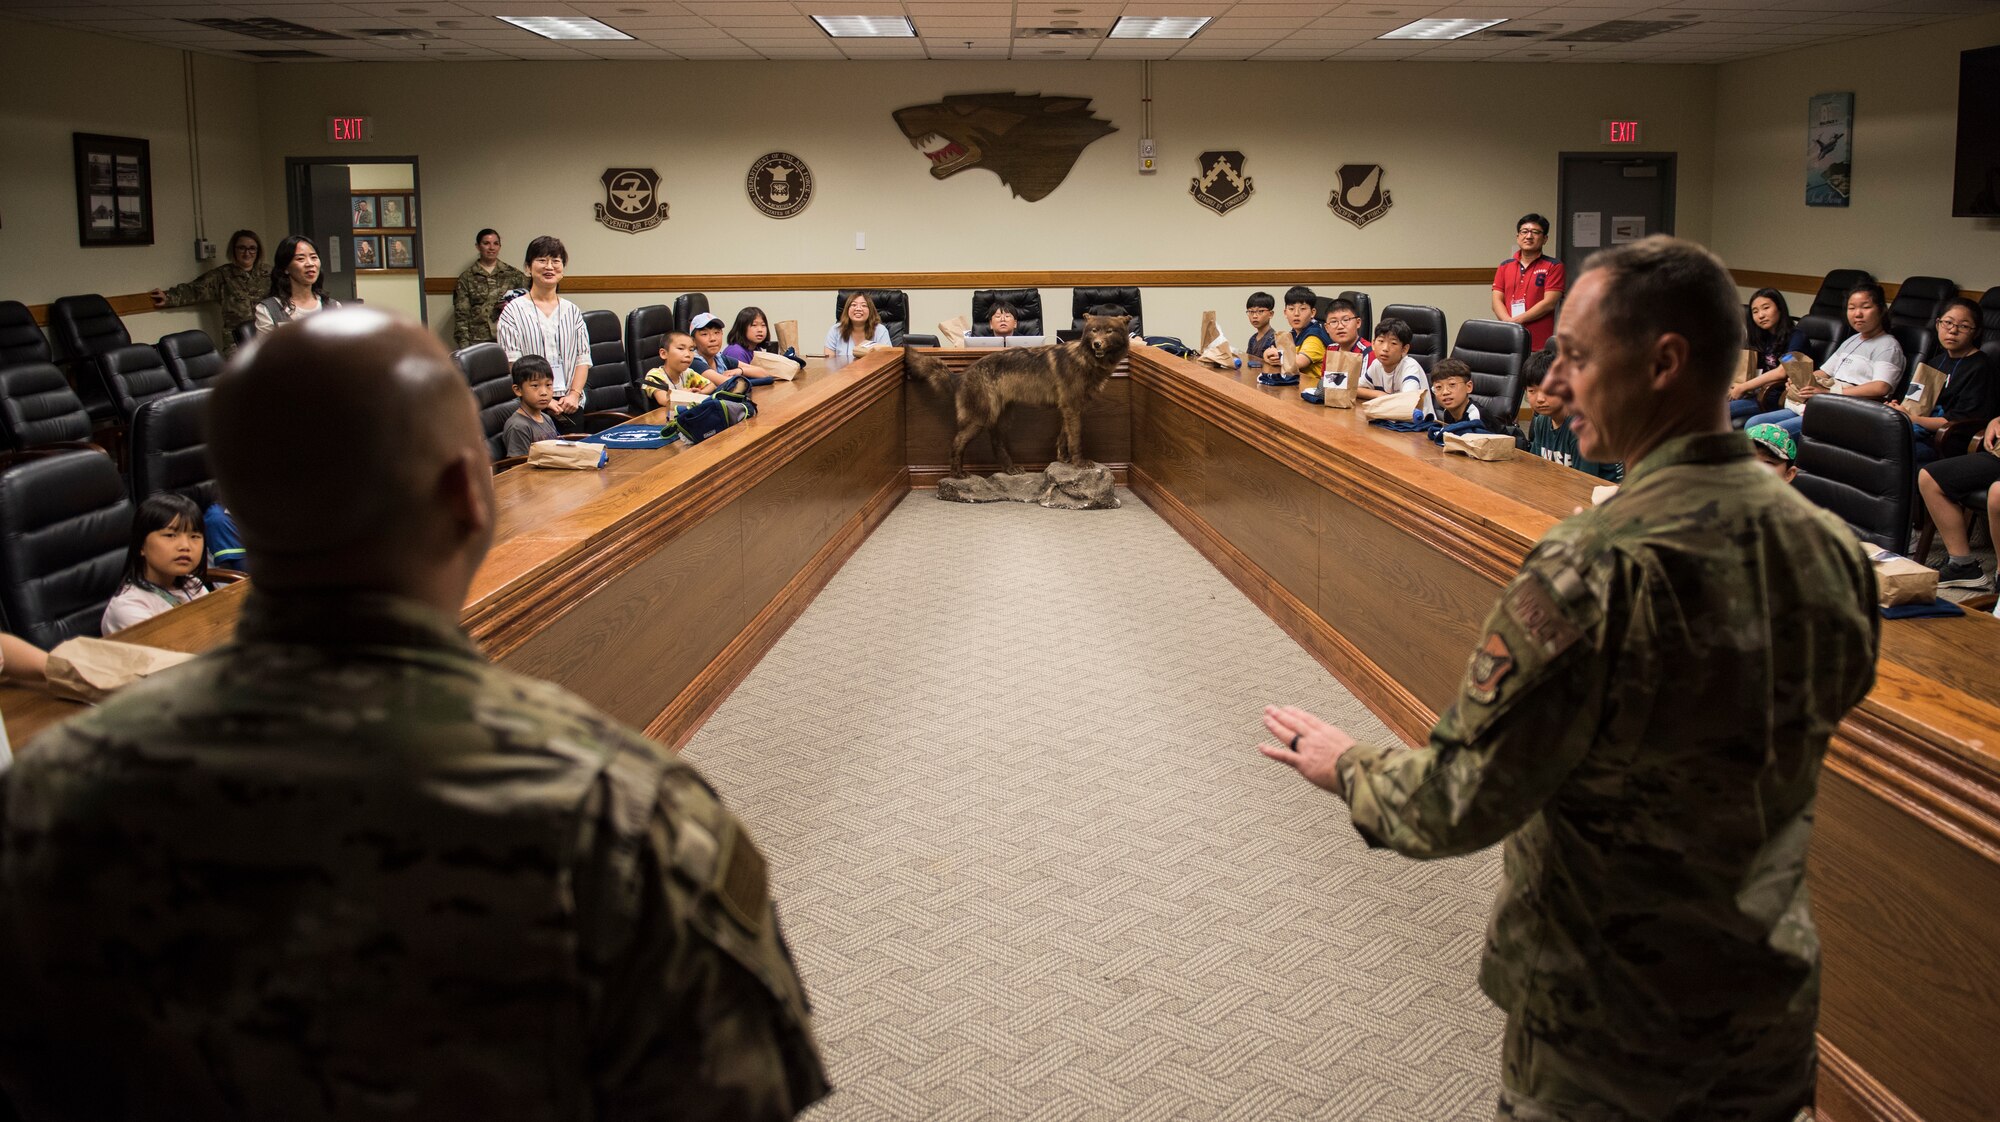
{"x": 350, "y": 128}
{"x": 1621, "y": 132}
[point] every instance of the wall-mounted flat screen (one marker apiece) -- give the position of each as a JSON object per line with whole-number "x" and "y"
{"x": 1975, "y": 191}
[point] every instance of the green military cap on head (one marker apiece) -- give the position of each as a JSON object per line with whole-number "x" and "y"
{"x": 1774, "y": 440}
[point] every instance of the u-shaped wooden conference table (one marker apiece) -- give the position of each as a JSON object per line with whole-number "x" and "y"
{"x": 652, "y": 587}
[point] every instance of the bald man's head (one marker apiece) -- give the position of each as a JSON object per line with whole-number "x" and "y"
{"x": 349, "y": 439}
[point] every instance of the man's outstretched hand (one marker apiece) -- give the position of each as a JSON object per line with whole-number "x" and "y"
{"x": 1306, "y": 744}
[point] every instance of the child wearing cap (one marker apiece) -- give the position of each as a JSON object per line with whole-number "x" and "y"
{"x": 709, "y": 361}
{"x": 1775, "y": 450}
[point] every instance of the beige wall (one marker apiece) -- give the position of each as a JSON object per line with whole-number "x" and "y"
{"x": 1905, "y": 124}
{"x": 61, "y": 82}
{"x": 1455, "y": 198}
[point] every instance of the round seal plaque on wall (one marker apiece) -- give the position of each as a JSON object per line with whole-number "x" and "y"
{"x": 780, "y": 185}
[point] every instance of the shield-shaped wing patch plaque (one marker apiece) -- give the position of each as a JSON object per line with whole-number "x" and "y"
{"x": 1221, "y": 186}
{"x": 1359, "y": 196}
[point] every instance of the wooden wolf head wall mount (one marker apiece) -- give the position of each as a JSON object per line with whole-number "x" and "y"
{"x": 1028, "y": 140}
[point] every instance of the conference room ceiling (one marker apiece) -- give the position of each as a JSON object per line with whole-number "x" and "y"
{"x": 1584, "y": 31}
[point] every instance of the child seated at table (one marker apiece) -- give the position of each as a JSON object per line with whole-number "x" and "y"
{"x": 1259, "y": 309}
{"x": 165, "y": 564}
{"x": 1001, "y": 321}
{"x": 709, "y": 360}
{"x": 1451, "y": 393}
{"x": 1343, "y": 328}
{"x": 1391, "y": 369}
{"x": 1309, "y": 343}
{"x": 673, "y": 373}
{"x": 1775, "y": 449}
{"x": 750, "y": 334}
{"x": 1549, "y": 435}
{"x": 535, "y": 388}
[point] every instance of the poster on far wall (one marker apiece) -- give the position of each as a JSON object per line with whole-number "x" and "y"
{"x": 1829, "y": 148}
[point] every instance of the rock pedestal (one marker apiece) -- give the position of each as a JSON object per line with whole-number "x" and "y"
{"x": 1061, "y": 487}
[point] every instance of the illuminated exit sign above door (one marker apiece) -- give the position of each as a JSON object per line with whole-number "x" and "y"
{"x": 1620, "y": 132}
{"x": 350, "y": 128}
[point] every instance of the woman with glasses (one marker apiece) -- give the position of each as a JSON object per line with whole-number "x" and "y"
{"x": 543, "y": 323}
{"x": 236, "y": 285}
{"x": 1967, "y": 400}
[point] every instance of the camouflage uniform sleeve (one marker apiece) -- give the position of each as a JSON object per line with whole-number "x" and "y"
{"x": 700, "y": 1012}
{"x": 200, "y": 290}
{"x": 1528, "y": 710}
{"x": 461, "y": 314}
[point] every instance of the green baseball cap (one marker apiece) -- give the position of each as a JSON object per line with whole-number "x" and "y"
{"x": 1774, "y": 440}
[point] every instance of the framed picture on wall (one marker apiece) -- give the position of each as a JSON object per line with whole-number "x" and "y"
{"x": 1829, "y": 149}
{"x": 401, "y": 251}
{"x": 364, "y": 212}
{"x": 114, "y": 190}
{"x": 368, "y": 251}
{"x": 395, "y": 211}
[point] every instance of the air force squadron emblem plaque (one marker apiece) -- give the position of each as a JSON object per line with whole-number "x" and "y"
{"x": 1221, "y": 186}
{"x": 1359, "y": 195}
{"x": 631, "y": 200}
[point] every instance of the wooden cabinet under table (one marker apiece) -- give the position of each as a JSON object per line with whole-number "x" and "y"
{"x": 1382, "y": 556}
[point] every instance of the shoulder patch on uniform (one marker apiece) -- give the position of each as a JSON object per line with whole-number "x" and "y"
{"x": 1491, "y": 664}
{"x": 1531, "y": 606}
{"x": 741, "y": 882}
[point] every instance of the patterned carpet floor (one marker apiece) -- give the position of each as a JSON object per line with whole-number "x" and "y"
{"x": 1032, "y": 867}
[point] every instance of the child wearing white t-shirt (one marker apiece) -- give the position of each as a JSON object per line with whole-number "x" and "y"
{"x": 1391, "y": 370}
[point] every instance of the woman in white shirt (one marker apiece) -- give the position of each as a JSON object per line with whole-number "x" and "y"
{"x": 1867, "y": 363}
{"x": 543, "y": 323}
{"x": 297, "y": 288}
{"x": 860, "y": 330}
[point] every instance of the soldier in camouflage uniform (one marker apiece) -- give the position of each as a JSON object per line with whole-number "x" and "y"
{"x": 235, "y": 286}
{"x": 344, "y": 868}
{"x": 480, "y": 287}
{"x": 1644, "y": 725}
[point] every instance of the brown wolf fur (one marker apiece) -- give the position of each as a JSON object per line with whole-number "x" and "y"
{"x": 1065, "y": 375}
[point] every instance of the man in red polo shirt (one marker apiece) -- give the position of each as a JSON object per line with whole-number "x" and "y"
{"x": 1527, "y": 285}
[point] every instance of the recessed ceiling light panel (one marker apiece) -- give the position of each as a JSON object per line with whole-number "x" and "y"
{"x": 867, "y": 27}
{"x": 565, "y": 27}
{"x": 1440, "y": 29}
{"x": 1158, "y": 27}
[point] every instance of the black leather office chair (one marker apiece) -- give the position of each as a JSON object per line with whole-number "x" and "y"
{"x": 1854, "y": 460}
{"x": 1027, "y": 304}
{"x": 20, "y": 340}
{"x": 243, "y": 332}
{"x": 85, "y": 329}
{"x": 1989, "y": 317}
{"x": 646, "y": 327}
{"x": 892, "y": 305}
{"x": 490, "y": 376}
{"x": 1498, "y": 354}
{"x": 612, "y": 389}
{"x": 1919, "y": 344}
{"x": 135, "y": 375}
{"x": 1918, "y": 300}
{"x": 1831, "y": 300}
{"x": 191, "y": 358}
{"x": 1364, "y": 308}
{"x": 65, "y": 523}
{"x": 170, "y": 445}
{"x": 1428, "y": 337}
{"x": 38, "y": 408}
{"x": 1822, "y": 334}
{"x": 607, "y": 336}
{"x": 687, "y": 306}
{"x": 1081, "y": 300}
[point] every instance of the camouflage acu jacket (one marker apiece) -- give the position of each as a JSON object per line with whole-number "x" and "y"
{"x": 233, "y": 289}
{"x": 473, "y": 300}
{"x": 1644, "y": 725}
{"x": 345, "y": 869}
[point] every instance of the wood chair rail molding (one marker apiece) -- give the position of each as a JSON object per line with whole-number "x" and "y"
{"x": 136, "y": 303}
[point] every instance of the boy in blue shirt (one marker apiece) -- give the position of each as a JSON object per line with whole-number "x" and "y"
{"x": 1451, "y": 393}
{"x": 1259, "y": 308}
{"x": 709, "y": 361}
{"x": 1548, "y": 434}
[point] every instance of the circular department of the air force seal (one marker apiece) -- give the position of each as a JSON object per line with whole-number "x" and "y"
{"x": 780, "y": 185}
{"x": 1358, "y": 195}
{"x": 632, "y": 200}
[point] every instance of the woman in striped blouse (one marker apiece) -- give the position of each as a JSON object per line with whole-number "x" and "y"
{"x": 545, "y": 324}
